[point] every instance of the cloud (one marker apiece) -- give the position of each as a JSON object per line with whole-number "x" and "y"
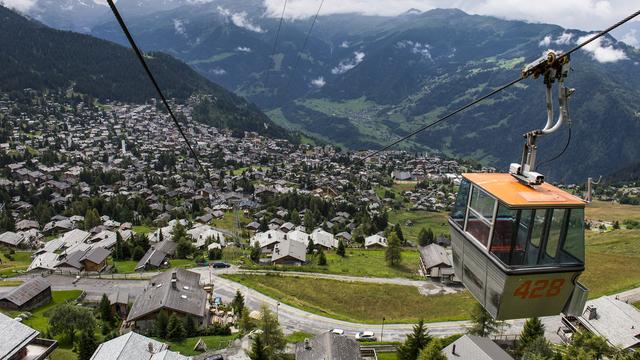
{"x": 20, "y": 5}
{"x": 348, "y": 64}
{"x": 344, "y": 45}
{"x": 632, "y": 38}
{"x": 319, "y": 82}
{"x": 240, "y": 20}
{"x": 580, "y": 14}
{"x": 243, "y": 49}
{"x": 564, "y": 39}
{"x": 416, "y": 48}
{"x": 601, "y": 52}
{"x": 178, "y": 25}
{"x": 218, "y": 71}
{"x": 545, "y": 42}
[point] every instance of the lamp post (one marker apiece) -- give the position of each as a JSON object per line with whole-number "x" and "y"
{"x": 278, "y": 311}
{"x": 382, "y": 330}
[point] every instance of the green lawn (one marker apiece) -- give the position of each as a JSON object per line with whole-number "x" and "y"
{"x": 142, "y": 229}
{"x": 38, "y": 320}
{"x": 239, "y": 171}
{"x": 359, "y": 302}
{"x": 228, "y": 222}
{"x": 129, "y": 266}
{"x": 63, "y": 354}
{"x": 185, "y": 347}
{"x": 299, "y": 336}
{"x": 387, "y": 355}
{"x": 20, "y": 263}
{"x": 437, "y": 221}
{"x": 359, "y": 262}
{"x": 637, "y": 304}
{"x": 613, "y": 262}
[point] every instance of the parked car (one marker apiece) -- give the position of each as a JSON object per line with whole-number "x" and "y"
{"x": 337, "y": 331}
{"x": 220, "y": 265}
{"x": 365, "y": 336}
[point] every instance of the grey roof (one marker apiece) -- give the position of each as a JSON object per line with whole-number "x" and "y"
{"x": 119, "y": 297}
{"x": 292, "y": 248}
{"x": 26, "y": 291}
{"x": 11, "y": 238}
{"x": 152, "y": 257}
{"x": 169, "y": 355}
{"x": 167, "y": 246}
{"x": 47, "y": 261}
{"x": 72, "y": 260}
{"x": 329, "y": 346}
{"x": 130, "y": 346}
{"x": 434, "y": 255}
{"x": 615, "y": 320}
{"x": 187, "y": 297}
{"x": 15, "y": 336}
{"x": 471, "y": 347}
{"x": 96, "y": 255}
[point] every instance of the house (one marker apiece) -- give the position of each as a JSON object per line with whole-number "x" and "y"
{"x": 436, "y": 263}
{"x": 324, "y": 239}
{"x": 133, "y": 346}
{"x": 177, "y": 292}
{"x": 375, "y": 241}
{"x": 95, "y": 259}
{"x": 24, "y": 225}
{"x": 30, "y": 295}
{"x": 471, "y": 347}
{"x": 20, "y": 342}
{"x": 299, "y": 236}
{"x": 610, "y": 318}
{"x": 267, "y": 240}
{"x": 44, "y": 262}
{"x": 328, "y": 346}
{"x": 11, "y": 239}
{"x": 157, "y": 256}
{"x": 119, "y": 302}
{"x": 289, "y": 252}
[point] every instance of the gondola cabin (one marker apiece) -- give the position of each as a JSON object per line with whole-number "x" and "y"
{"x": 518, "y": 249}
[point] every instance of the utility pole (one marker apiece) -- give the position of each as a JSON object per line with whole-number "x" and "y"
{"x": 382, "y": 330}
{"x": 590, "y": 183}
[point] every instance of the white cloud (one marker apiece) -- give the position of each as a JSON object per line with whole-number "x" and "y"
{"x": 344, "y": 45}
{"x": 580, "y": 14}
{"x": 632, "y": 38}
{"x": 243, "y": 49}
{"x": 319, "y": 82}
{"x": 240, "y": 20}
{"x": 564, "y": 39}
{"x": 218, "y": 71}
{"x": 601, "y": 52}
{"x": 545, "y": 42}
{"x": 20, "y": 5}
{"x": 178, "y": 25}
{"x": 424, "y": 50}
{"x": 348, "y": 64}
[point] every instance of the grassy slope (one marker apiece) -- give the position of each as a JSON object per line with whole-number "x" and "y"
{"x": 608, "y": 211}
{"x": 185, "y": 347}
{"x": 359, "y": 262}
{"x": 20, "y": 262}
{"x": 360, "y": 302}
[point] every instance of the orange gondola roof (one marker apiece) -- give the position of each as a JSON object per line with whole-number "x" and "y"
{"x": 510, "y": 191}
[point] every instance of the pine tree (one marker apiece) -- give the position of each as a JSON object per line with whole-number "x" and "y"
{"x": 238, "y": 303}
{"x": 414, "y": 343}
{"x": 533, "y": 328}
{"x": 160, "y": 325}
{"x": 258, "y": 350}
{"x": 310, "y": 247}
{"x": 432, "y": 351}
{"x": 118, "y": 253}
{"x": 272, "y": 336}
{"x": 105, "y": 310}
{"x": 398, "y": 231}
{"x": 423, "y": 237}
{"x": 483, "y": 324}
{"x": 7, "y": 223}
{"x": 256, "y": 253}
{"x": 87, "y": 345}
{"x": 341, "y": 251}
{"x": 175, "y": 329}
{"x": 322, "y": 258}
{"x": 393, "y": 254}
{"x": 189, "y": 325}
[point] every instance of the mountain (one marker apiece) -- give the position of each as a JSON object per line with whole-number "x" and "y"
{"x": 363, "y": 81}
{"x": 38, "y": 57}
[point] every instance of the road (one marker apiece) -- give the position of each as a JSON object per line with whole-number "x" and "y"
{"x": 291, "y": 318}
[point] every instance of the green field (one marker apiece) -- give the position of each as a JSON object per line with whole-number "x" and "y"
{"x": 228, "y": 222}
{"x": 437, "y": 221}
{"x": 185, "y": 347}
{"x": 609, "y": 211}
{"x": 142, "y": 229}
{"x": 613, "y": 262}
{"x": 298, "y": 336}
{"x": 359, "y": 302}
{"x": 39, "y": 320}
{"x": 128, "y": 266}
{"x": 387, "y": 356}
{"x": 63, "y": 354}
{"x": 20, "y": 263}
{"x": 358, "y": 262}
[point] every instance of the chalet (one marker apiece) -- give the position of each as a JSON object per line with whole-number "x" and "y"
{"x": 328, "y": 346}
{"x": 375, "y": 241}
{"x": 119, "y": 302}
{"x": 267, "y": 240}
{"x": 11, "y": 239}
{"x": 436, "y": 263}
{"x": 20, "y": 342}
{"x": 133, "y": 346}
{"x": 289, "y": 252}
{"x": 30, "y": 295}
{"x": 95, "y": 259}
{"x": 157, "y": 256}
{"x": 177, "y": 292}
{"x": 610, "y": 318}
{"x": 44, "y": 262}
{"x": 471, "y": 347}
{"x": 324, "y": 239}
{"x": 24, "y": 225}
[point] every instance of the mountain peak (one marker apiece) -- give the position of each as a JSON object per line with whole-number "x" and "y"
{"x": 451, "y": 12}
{"x": 412, "y": 11}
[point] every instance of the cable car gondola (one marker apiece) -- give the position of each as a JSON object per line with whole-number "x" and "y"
{"x": 518, "y": 242}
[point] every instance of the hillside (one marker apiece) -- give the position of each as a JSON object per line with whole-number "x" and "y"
{"x": 363, "y": 81}
{"x": 35, "y": 56}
